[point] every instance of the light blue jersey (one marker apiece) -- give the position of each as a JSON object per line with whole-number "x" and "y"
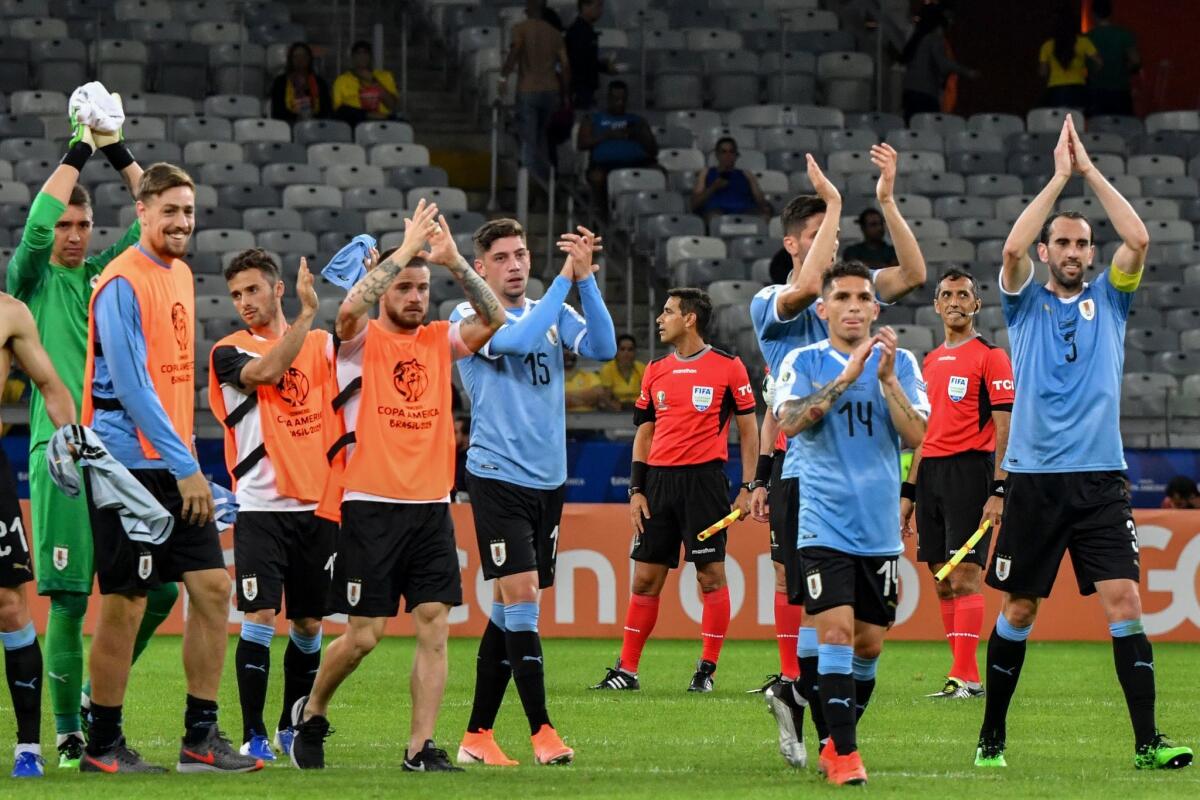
{"x": 850, "y": 487}
{"x": 1067, "y": 360}
{"x": 518, "y": 409}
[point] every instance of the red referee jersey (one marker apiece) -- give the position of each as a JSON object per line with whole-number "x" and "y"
{"x": 966, "y": 383}
{"x": 690, "y": 401}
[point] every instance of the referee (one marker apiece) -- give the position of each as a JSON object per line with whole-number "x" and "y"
{"x": 954, "y": 479}
{"x": 677, "y": 486}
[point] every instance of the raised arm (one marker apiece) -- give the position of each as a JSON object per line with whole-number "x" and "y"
{"x": 800, "y": 414}
{"x": 1135, "y": 239}
{"x": 270, "y": 368}
{"x": 1017, "y": 264}
{"x": 596, "y": 337}
{"x": 352, "y": 314}
{"x": 805, "y": 284}
{"x": 906, "y": 418}
{"x": 892, "y": 283}
{"x": 478, "y": 328}
{"x": 28, "y": 350}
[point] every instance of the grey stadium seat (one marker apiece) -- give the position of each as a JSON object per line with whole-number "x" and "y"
{"x": 251, "y": 195}
{"x": 272, "y": 219}
{"x": 349, "y": 176}
{"x": 406, "y": 178}
{"x": 314, "y": 131}
{"x": 208, "y": 129}
{"x": 290, "y": 174}
{"x": 274, "y": 153}
{"x": 286, "y": 242}
{"x": 367, "y": 197}
{"x": 213, "y": 152}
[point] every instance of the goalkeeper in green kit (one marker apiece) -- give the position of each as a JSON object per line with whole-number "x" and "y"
{"x": 51, "y": 273}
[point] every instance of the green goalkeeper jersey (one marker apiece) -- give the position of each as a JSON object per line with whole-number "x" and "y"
{"x": 58, "y": 298}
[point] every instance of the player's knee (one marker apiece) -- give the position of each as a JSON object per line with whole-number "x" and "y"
{"x": 209, "y": 593}
{"x": 710, "y": 583}
{"x": 944, "y": 590}
{"x": 966, "y": 583}
{"x": 264, "y": 616}
{"x": 1021, "y": 612}
{"x": 72, "y": 605}
{"x": 363, "y": 639}
{"x": 836, "y": 634}
{"x": 13, "y": 611}
{"x": 869, "y": 649}
{"x": 432, "y": 622}
{"x": 306, "y": 626}
{"x": 1124, "y": 605}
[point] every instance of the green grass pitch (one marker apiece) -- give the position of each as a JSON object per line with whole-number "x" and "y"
{"x": 1069, "y": 733}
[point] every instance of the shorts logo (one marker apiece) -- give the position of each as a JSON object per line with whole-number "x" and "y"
{"x": 814, "y": 585}
{"x": 1002, "y": 567}
{"x": 61, "y": 556}
{"x": 1087, "y": 309}
{"x": 499, "y": 553}
{"x": 250, "y": 587}
{"x": 702, "y": 397}
{"x": 957, "y": 388}
{"x": 660, "y": 400}
{"x": 145, "y": 565}
{"x": 353, "y": 592}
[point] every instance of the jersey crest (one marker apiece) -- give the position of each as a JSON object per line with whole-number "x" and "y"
{"x": 957, "y": 387}
{"x": 552, "y": 335}
{"x": 353, "y": 592}
{"x": 1087, "y": 309}
{"x": 250, "y": 587}
{"x": 702, "y": 397}
{"x": 814, "y": 585}
{"x": 1002, "y": 567}
{"x": 61, "y": 556}
{"x": 499, "y": 553}
{"x": 145, "y": 565}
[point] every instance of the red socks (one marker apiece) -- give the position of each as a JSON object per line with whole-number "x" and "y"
{"x": 639, "y": 622}
{"x": 968, "y": 620}
{"x": 948, "y": 621}
{"x": 787, "y": 630}
{"x": 714, "y": 622}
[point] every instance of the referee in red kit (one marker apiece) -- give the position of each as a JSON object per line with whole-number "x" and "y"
{"x": 677, "y": 486}
{"x": 956, "y": 479}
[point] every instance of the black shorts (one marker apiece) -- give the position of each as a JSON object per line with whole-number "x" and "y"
{"x": 683, "y": 501}
{"x": 868, "y": 583}
{"x": 16, "y": 567}
{"x": 951, "y": 491}
{"x": 283, "y": 552}
{"x": 389, "y": 550}
{"x": 516, "y": 527}
{"x": 1049, "y": 513}
{"x": 784, "y": 497}
{"x": 124, "y": 566}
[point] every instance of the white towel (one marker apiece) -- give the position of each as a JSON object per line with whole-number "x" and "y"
{"x": 97, "y": 108}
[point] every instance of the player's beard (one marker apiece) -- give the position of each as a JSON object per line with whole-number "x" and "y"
{"x": 173, "y": 247}
{"x": 397, "y": 318}
{"x": 1063, "y": 280}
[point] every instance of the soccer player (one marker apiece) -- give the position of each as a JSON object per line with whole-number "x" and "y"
{"x": 397, "y": 537}
{"x": 1065, "y": 460}
{"x": 22, "y": 655}
{"x": 517, "y": 468}
{"x": 955, "y": 480}
{"x": 785, "y": 317}
{"x": 677, "y": 485}
{"x": 140, "y": 401}
{"x": 51, "y": 272}
{"x": 271, "y": 386}
{"x": 848, "y": 401}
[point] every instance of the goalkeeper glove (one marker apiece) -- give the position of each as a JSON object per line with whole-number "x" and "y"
{"x": 104, "y": 139}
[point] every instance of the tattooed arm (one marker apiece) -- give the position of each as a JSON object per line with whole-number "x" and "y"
{"x": 800, "y": 414}
{"x": 908, "y": 420}
{"x": 352, "y": 315}
{"x": 475, "y": 330}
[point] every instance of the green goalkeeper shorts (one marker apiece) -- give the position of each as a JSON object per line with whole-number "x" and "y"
{"x": 62, "y": 533}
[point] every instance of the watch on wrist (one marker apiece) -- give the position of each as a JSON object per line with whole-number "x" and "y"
{"x": 754, "y": 484}
{"x": 634, "y": 490}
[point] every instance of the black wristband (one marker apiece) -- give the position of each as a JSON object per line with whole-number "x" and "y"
{"x": 637, "y": 475}
{"x": 998, "y": 489}
{"x": 78, "y": 155}
{"x": 766, "y": 464}
{"x": 908, "y": 491}
{"x": 118, "y": 155}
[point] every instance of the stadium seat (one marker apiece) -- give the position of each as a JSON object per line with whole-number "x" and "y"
{"x": 238, "y": 69}
{"x": 248, "y": 195}
{"x": 399, "y": 155}
{"x": 447, "y": 198}
{"x": 383, "y": 220}
{"x": 1171, "y": 186}
{"x": 912, "y": 161}
{"x": 311, "y": 196}
{"x": 945, "y": 125}
{"x": 59, "y": 65}
{"x": 993, "y": 185}
{"x": 225, "y": 173}
{"x": 348, "y": 176}
{"x": 914, "y": 205}
{"x": 906, "y": 140}
{"x": 256, "y": 220}
{"x": 1002, "y": 125}
{"x": 216, "y": 33}
{"x": 732, "y": 292}
{"x": 196, "y": 153}
{"x": 1155, "y": 166}
{"x": 367, "y": 197}
{"x": 406, "y": 178}
{"x": 38, "y": 103}
{"x": 705, "y": 271}
{"x": 974, "y": 142}
{"x": 328, "y": 154}
{"x": 1051, "y": 119}
{"x": 288, "y": 174}
{"x": 681, "y": 247}
{"x": 43, "y": 27}
{"x": 288, "y": 243}
{"x": 655, "y": 230}
{"x": 261, "y": 130}
{"x": 1126, "y": 127}
{"x": 21, "y": 149}
{"x": 928, "y": 228}
{"x": 180, "y": 67}
{"x": 915, "y": 338}
{"x": 317, "y": 131}
{"x": 1173, "y": 121}
{"x": 958, "y": 251}
{"x": 223, "y": 240}
{"x": 202, "y": 129}
{"x": 1155, "y": 208}
{"x": 211, "y": 217}
{"x": 375, "y": 132}
{"x": 1164, "y": 143}
{"x": 266, "y": 153}
{"x": 343, "y": 220}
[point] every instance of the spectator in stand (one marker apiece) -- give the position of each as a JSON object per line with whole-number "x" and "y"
{"x": 583, "y": 388}
{"x": 616, "y": 139}
{"x": 364, "y": 93}
{"x": 929, "y": 64}
{"x": 583, "y": 51}
{"x": 1064, "y": 62}
{"x": 1109, "y": 85}
{"x": 299, "y": 93}
{"x": 622, "y": 376}
{"x": 725, "y": 189}
{"x": 1181, "y": 493}
{"x": 539, "y": 56}
{"x": 873, "y": 250}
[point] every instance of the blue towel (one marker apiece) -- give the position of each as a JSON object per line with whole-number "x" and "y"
{"x": 346, "y": 267}
{"x": 226, "y": 506}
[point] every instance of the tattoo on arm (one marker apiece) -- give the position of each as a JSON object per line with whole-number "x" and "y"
{"x": 479, "y": 294}
{"x": 799, "y": 415}
{"x": 898, "y": 401}
{"x": 376, "y": 282}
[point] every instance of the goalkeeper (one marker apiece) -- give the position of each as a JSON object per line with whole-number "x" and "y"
{"x": 51, "y": 273}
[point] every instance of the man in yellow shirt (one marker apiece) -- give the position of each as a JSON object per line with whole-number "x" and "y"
{"x": 364, "y": 93}
{"x": 623, "y": 375}
{"x": 584, "y": 390}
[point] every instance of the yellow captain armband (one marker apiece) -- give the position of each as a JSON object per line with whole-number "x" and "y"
{"x": 1123, "y": 281}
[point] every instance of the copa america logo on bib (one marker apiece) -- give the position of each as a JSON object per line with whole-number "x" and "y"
{"x": 957, "y": 388}
{"x": 702, "y": 397}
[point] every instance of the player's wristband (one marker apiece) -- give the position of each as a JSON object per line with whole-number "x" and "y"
{"x": 998, "y": 489}
{"x": 762, "y": 473}
{"x": 908, "y": 491}
{"x": 78, "y": 155}
{"x": 118, "y": 155}
{"x": 637, "y": 476}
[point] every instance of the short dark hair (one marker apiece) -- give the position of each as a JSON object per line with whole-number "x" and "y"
{"x": 626, "y": 337}
{"x": 1183, "y": 486}
{"x": 694, "y": 301}
{"x": 1044, "y": 236}
{"x": 844, "y": 269}
{"x": 490, "y": 231}
{"x": 866, "y": 212}
{"x": 618, "y": 85}
{"x": 725, "y": 139}
{"x": 162, "y": 177}
{"x": 798, "y": 210}
{"x": 80, "y": 196}
{"x": 361, "y": 44}
{"x": 254, "y": 258}
{"x": 954, "y": 273}
{"x": 780, "y": 267}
